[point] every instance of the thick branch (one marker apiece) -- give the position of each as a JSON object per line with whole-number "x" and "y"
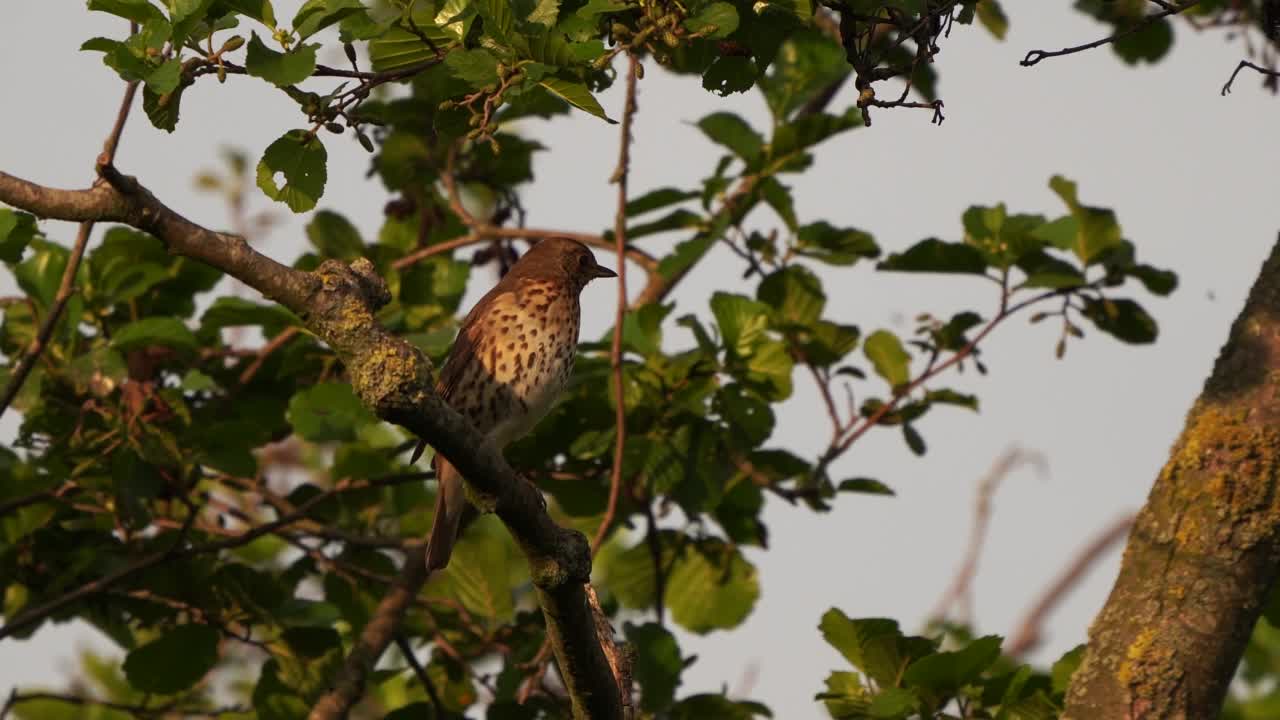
{"x": 394, "y": 379}
{"x": 1203, "y": 553}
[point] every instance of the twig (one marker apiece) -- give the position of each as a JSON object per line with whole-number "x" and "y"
{"x": 958, "y": 590}
{"x": 35, "y": 615}
{"x": 67, "y": 287}
{"x": 383, "y": 626}
{"x": 655, "y": 555}
{"x": 615, "y": 353}
{"x": 1028, "y": 636}
{"x": 1226, "y": 89}
{"x": 276, "y": 343}
{"x": 407, "y": 651}
{"x": 1036, "y": 56}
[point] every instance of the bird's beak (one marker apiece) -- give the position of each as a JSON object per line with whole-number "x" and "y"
{"x": 601, "y": 271}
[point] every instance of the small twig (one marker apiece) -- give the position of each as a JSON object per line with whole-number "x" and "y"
{"x": 1036, "y": 56}
{"x": 67, "y": 287}
{"x": 958, "y": 590}
{"x": 1226, "y": 89}
{"x": 615, "y": 354}
{"x": 655, "y": 554}
{"x": 406, "y": 650}
{"x": 276, "y": 343}
{"x": 1028, "y": 636}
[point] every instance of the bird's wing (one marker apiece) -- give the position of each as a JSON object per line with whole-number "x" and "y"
{"x": 462, "y": 356}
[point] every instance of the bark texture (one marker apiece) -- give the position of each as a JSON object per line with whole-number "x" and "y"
{"x": 1204, "y": 551}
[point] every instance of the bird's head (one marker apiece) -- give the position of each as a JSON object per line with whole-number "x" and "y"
{"x": 566, "y": 258}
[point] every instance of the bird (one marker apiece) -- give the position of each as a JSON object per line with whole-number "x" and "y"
{"x": 512, "y": 358}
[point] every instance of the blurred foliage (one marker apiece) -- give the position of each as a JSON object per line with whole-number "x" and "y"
{"x": 171, "y": 419}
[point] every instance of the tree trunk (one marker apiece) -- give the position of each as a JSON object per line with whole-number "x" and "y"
{"x": 1204, "y": 551}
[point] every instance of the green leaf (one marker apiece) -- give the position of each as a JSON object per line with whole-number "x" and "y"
{"x": 731, "y": 131}
{"x": 944, "y": 673}
{"x": 873, "y": 645}
{"x": 163, "y": 110}
{"x": 1160, "y": 282}
{"x": 164, "y": 331}
{"x": 657, "y": 664}
{"x": 794, "y": 293}
{"x": 280, "y": 69}
{"x": 865, "y": 485}
{"x": 260, "y": 10}
{"x": 655, "y": 199}
{"x": 480, "y": 572}
{"x": 17, "y": 230}
{"x": 1046, "y": 271}
{"x": 300, "y": 158}
{"x": 41, "y": 273}
{"x": 1149, "y": 43}
{"x": 836, "y": 246}
{"x": 477, "y": 68}
{"x": 334, "y": 236}
{"x": 748, "y": 415}
{"x": 139, "y": 11}
{"x": 165, "y": 78}
{"x": 1066, "y": 666}
{"x": 577, "y": 95}
{"x": 887, "y": 355}
{"x": 705, "y": 706}
{"x": 499, "y": 20}
{"x": 327, "y": 412}
{"x": 717, "y": 20}
{"x": 316, "y": 15}
{"x": 1126, "y": 320}
{"x": 730, "y": 74}
{"x": 845, "y": 697}
{"x": 174, "y": 662}
{"x": 230, "y": 311}
{"x": 711, "y": 587}
{"x": 933, "y": 255}
{"x": 1096, "y": 228}
{"x": 741, "y": 320}
{"x": 992, "y": 17}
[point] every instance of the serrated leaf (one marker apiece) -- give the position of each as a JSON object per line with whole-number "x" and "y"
{"x": 837, "y": 246}
{"x": 333, "y": 235}
{"x": 717, "y": 20}
{"x": 280, "y": 69}
{"x": 711, "y": 587}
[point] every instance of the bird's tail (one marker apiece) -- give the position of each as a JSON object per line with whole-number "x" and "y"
{"x": 451, "y": 501}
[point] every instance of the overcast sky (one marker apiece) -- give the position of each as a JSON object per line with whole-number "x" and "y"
{"x": 1189, "y": 173}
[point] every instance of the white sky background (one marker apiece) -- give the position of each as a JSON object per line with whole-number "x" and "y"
{"x": 1190, "y": 174}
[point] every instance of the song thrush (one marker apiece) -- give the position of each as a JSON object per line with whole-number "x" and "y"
{"x": 512, "y": 358}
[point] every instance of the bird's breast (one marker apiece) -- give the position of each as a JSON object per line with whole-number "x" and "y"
{"x": 536, "y": 339}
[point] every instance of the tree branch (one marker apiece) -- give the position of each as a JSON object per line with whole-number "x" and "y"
{"x": 1027, "y": 636}
{"x": 1201, "y": 559}
{"x": 337, "y": 303}
{"x": 615, "y": 353}
{"x": 66, "y": 288}
{"x": 1226, "y": 89}
{"x": 1036, "y": 56}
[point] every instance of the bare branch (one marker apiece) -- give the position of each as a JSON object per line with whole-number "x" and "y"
{"x": 615, "y": 354}
{"x": 1036, "y": 56}
{"x": 1269, "y": 72}
{"x": 958, "y": 590}
{"x": 1027, "y": 636}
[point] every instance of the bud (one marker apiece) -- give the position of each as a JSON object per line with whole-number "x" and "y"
{"x": 235, "y": 42}
{"x": 335, "y": 128}
{"x": 365, "y": 142}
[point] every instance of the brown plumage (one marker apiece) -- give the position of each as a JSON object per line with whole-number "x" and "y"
{"x": 512, "y": 358}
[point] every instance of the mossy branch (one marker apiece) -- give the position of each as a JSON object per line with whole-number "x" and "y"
{"x": 1205, "y": 550}
{"x": 338, "y": 302}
